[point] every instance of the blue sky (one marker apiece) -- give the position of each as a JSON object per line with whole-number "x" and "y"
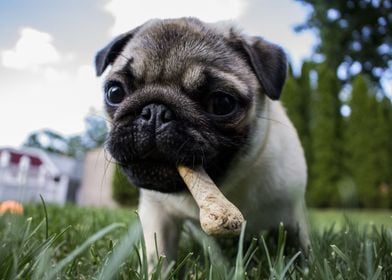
{"x": 47, "y": 48}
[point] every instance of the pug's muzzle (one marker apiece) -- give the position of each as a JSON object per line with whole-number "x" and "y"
{"x": 182, "y": 93}
{"x": 162, "y": 134}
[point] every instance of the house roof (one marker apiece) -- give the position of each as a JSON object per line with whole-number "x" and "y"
{"x": 57, "y": 165}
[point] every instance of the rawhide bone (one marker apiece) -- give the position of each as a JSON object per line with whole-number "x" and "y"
{"x": 218, "y": 216}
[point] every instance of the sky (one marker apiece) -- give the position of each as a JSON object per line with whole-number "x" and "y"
{"x": 47, "y": 79}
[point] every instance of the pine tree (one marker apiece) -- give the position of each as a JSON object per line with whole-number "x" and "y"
{"x": 387, "y": 106}
{"x": 356, "y": 139}
{"x": 291, "y": 99}
{"x": 306, "y": 94}
{"x": 326, "y": 141}
{"x": 379, "y": 153}
{"x": 387, "y": 109}
{"x": 368, "y": 142}
{"x": 296, "y": 98}
{"x": 351, "y": 32}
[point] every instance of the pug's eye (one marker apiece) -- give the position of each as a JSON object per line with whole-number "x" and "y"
{"x": 221, "y": 104}
{"x": 114, "y": 94}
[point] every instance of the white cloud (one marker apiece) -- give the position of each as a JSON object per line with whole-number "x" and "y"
{"x": 53, "y": 75}
{"x": 48, "y": 93}
{"x": 129, "y": 14}
{"x": 275, "y": 20}
{"x": 32, "y": 50}
{"x": 50, "y": 98}
{"x": 259, "y": 17}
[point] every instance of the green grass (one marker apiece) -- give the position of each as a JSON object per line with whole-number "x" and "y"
{"x": 90, "y": 243}
{"x": 321, "y": 219}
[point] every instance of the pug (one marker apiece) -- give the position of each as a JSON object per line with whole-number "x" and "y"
{"x": 181, "y": 91}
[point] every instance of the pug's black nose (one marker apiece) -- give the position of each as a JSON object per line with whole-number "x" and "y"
{"x": 156, "y": 115}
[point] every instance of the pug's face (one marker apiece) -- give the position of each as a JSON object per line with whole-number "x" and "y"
{"x": 184, "y": 92}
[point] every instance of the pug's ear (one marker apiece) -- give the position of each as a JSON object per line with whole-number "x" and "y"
{"x": 269, "y": 63}
{"x": 109, "y": 53}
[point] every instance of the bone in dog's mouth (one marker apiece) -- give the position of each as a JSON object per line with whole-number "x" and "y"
{"x": 218, "y": 216}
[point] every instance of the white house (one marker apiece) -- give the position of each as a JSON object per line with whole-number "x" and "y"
{"x": 27, "y": 173}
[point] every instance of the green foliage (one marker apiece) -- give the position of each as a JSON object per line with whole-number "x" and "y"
{"x": 367, "y": 143}
{"x": 89, "y": 243}
{"x": 296, "y": 98}
{"x": 349, "y": 158}
{"x": 48, "y": 140}
{"x": 123, "y": 191}
{"x": 387, "y": 112}
{"x": 28, "y": 252}
{"x": 326, "y": 141}
{"x": 96, "y": 131}
{"x": 353, "y": 31}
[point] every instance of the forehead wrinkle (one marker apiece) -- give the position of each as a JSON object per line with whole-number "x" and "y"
{"x": 119, "y": 64}
{"x": 122, "y": 70}
{"x": 231, "y": 78}
{"x": 193, "y": 77}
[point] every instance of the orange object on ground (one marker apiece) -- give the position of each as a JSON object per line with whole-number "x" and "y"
{"x": 11, "y": 206}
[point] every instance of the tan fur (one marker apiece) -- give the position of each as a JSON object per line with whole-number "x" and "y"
{"x": 267, "y": 178}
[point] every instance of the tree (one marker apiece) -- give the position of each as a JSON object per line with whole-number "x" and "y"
{"x": 387, "y": 112}
{"x": 353, "y": 32}
{"x": 355, "y": 37}
{"x": 291, "y": 99}
{"x": 306, "y": 93}
{"x": 326, "y": 141}
{"x": 296, "y": 97}
{"x": 96, "y": 131}
{"x": 367, "y": 143}
{"x": 380, "y": 157}
{"x": 47, "y": 140}
{"x": 76, "y": 145}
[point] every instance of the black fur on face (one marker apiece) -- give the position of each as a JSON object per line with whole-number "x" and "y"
{"x": 150, "y": 156}
{"x": 170, "y": 74}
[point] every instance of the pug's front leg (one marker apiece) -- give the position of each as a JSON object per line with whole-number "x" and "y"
{"x": 160, "y": 229}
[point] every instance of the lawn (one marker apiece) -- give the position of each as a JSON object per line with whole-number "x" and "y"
{"x": 91, "y": 243}
{"x": 321, "y": 219}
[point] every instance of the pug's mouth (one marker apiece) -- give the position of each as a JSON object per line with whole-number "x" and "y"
{"x": 154, "y": 173}
{"x": 154, "y": 164}
{"x": 158, "y": 170}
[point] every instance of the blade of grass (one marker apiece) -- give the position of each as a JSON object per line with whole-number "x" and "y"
{"x": 26, "y": 232}
{"x": 250, "y": 252}
{"x": 288, "y": 265}
{"x": 267, "y": 253}
{"x": 121, "y": 251}
{"x": 168, "y": 269}
{"x": 179, "y": 266}
{"x": 98, "y": 235}
{"x": 46, "y": 217}
{"x": 144, "y": 267}
{"x": 377, "y": 274}
{"x": 156, "y": 275}
{"x": 340, "y": 254}
{"x": 328, "y": 271}
{"x": 43, "y": 262}
{"x": 214, "y": 253}
{"x": 239, "y": 272}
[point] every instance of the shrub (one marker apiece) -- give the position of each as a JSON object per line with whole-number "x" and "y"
{"x": 123, "y": 191}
